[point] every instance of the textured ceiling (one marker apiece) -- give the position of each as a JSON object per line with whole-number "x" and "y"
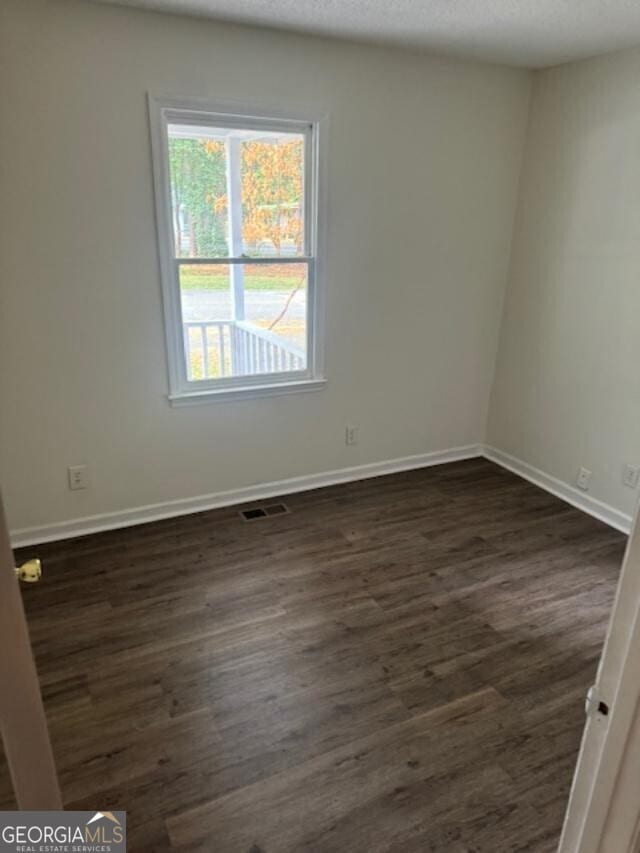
{"x": 530, "y": 33}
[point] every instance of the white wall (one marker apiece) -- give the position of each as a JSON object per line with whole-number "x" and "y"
{"x": 424, "y": 155}
{"x": 567, "y": 387}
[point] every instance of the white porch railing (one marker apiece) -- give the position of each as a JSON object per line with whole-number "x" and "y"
{"x": 216, "y": 348}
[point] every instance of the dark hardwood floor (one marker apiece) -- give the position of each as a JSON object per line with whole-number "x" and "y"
{"x": 396, "y": 665}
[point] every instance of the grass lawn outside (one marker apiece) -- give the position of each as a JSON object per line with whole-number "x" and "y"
{"x": 277, "y": 277}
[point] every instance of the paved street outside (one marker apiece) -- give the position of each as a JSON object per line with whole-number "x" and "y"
{"x": 203, "y": 305}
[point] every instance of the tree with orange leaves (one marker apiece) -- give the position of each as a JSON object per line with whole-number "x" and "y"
{"x": 272, "y": 188}
{"x": 272, "y": 193}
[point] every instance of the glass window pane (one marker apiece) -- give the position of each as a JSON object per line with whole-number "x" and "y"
{"x": 243, "y": 319}
{"x": 236, "y": 193}
{"x": 272, "y": 179}
{"x": 198, "y": 180}
{"x": 205, "y": 298}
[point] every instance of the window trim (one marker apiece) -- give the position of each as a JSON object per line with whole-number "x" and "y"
{"x": 185, "y": 110}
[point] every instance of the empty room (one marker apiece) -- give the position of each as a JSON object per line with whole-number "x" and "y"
{"x": 320, "y": 426}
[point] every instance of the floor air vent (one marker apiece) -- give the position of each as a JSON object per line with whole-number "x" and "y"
{"x": 263, "y": 511}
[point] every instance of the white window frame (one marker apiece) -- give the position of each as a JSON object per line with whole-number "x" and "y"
{"x": 169, "y": 110}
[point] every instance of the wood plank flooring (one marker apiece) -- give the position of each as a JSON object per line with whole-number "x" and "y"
{"x": 395, "y": 666}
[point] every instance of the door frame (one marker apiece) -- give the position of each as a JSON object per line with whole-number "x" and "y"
{"x": 603, "y": 814}
{"x": 23, "y": 723}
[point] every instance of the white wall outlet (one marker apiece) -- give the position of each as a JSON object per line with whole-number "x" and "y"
{"x": 584, "y": 478}
{"x": 630, "y": 476}
{"x": 78, "y": 477}
{"x": 351, "y": 435}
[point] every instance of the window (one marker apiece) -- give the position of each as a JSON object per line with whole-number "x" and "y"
{"x": 237, "y": 211}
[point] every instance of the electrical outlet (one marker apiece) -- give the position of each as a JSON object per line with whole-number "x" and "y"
{"x": 630, "y": 476}
{"x": 78, "y": 477}
{"x": 351, "y": 435}
{"x": 584, "y": 478}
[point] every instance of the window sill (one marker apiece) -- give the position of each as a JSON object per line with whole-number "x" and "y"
{"x": 246, "y": 392}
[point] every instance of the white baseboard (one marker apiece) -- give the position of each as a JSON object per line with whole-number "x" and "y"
{"x": 260, "y": 491}
{"x": 602, "y": 511}
{"x": 170, "y": 509}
